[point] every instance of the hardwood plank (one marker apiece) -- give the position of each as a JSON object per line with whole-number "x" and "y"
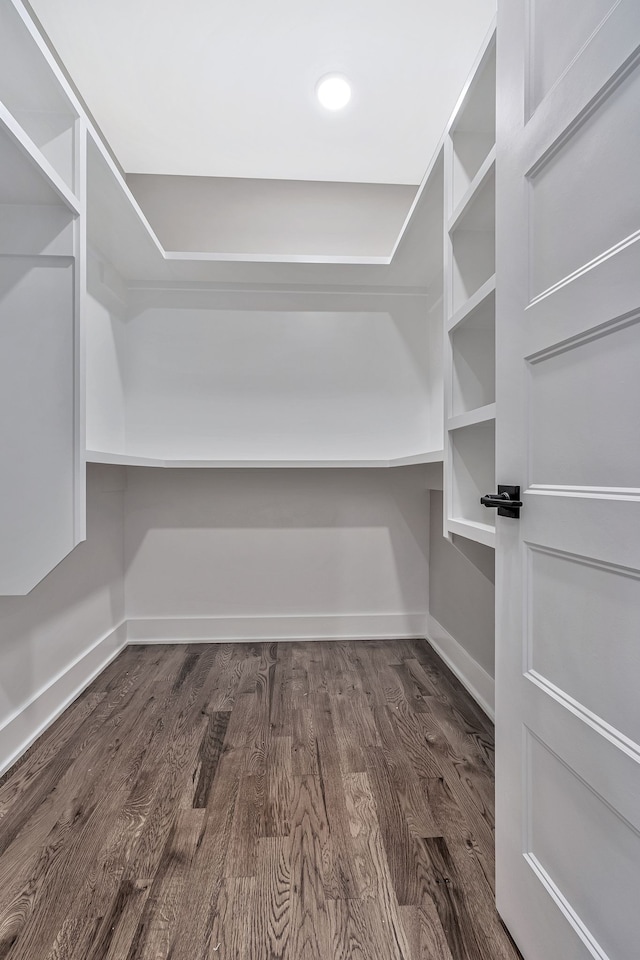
{"x": 339, "y": 876}
{"x": 230, "y": 935}
{"x": 278, "y": 789}
{"x": 304, "y": 754}
{"x": 393, "y": 828}
{"x": 245, "y": 830}
{"x": 196, "y": 911}
{"x": 440, "y": 884}
{"x": 356, "y": 930}
{"x": 270, "y": 909}
{"x": 281, "y": 700}
{"x": 73, "y": 939}
{"x": 309, "y": 831}
{"x": 376, "y": 885}
{"x": 406, "y": 782}
{"x": 209, "y": 756}
{"x": 154, "y": 933}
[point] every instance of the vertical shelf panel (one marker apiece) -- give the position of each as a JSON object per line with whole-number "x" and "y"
{"x": 473, "y": 245}
{"x": 469, "y": 275}
{"x": 473, "y": 359}
{"x": 37, "y": 424}
{"x": 473, "y": 131}
{"x": 473, "y": 471}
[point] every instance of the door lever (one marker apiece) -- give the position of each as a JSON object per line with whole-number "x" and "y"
{"x": 506, "y": 500}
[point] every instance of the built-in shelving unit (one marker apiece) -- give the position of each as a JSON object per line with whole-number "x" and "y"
{"x": 469, "y": 306}
{"x": 41, "y": 261}
{"x": 76, "y": 249}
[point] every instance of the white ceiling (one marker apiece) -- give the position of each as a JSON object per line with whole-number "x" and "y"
{"x": 226, "y": 89}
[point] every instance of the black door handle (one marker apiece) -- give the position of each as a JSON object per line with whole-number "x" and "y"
{"x": 506, "y": 500}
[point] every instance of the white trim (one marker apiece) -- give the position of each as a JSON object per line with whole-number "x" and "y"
{"x": 31, "y": 719}
{"x": 471, "y": 675}
{"x": 391, "y": 626}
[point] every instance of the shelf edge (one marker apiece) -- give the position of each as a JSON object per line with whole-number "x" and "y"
{"x": 38, "y": 160}
{"x": 486, "y": 169}
{"x": 482, "y": 414}
{"x": 476, "y": 300}
{"x": 472, "y": 530}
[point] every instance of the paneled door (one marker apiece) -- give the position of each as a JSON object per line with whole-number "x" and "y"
{"x": 568, "y": 432}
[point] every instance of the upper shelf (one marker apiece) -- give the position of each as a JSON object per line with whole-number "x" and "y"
{"x": 27, "y": 176}
{"x": 98, "y": 456}
{"x": 473, "y": 128}
{"x": 34, "y": 93}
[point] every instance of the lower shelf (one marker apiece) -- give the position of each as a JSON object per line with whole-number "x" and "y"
{"x": 124, "y": 459}
{"x": 473, "y": 530}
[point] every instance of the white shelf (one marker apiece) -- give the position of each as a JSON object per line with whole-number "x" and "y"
{"x": 432, "y": 456}
{"x": 473, "y": 530}
{"x": 464, "y": 313}
{"x": 35, "y": 93}
{"x": 472, "y": 248}
{"x": 468, "y": 419}
{"x": 116, "y": 226}
{"x": 473, "y": 360}
{"x": 125, "y": 459}
{"x": 477, "y": 185}
{"x": 473, "y": 127}
{"x": 472, "y": 451}
{"x": 27, "y": 176}
{"x": 477, "y": 210}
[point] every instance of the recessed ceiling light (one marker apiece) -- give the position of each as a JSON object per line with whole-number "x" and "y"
{"x": 333, "y": 92}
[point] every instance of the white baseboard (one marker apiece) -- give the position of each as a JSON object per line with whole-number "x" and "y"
{"x": 226, "y": 629}
{"x": 32, "y": 719}
{"x": 471, "y": 675}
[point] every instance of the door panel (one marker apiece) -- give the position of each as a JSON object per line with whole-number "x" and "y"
{"x": 600, "y": 603}
{"x": 568, "y": 396}
{"x": 558, "y": 31}
{"x": 565, "y": 399}
{"x": 573, "y": 833}
{"x": 584, "y": 196}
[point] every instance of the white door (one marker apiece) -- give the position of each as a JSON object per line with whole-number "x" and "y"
{"x": 568, "y": 431}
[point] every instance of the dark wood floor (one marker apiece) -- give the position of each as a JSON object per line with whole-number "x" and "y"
{"x": 308, "y": 801}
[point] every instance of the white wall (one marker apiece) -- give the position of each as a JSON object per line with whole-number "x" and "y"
{"x": 276, "y": 376}
{"x": 104, "y": 330}
{"x": 213, "y": 554}
{"x": 287, "y": 217}
{"x": 55, "y": 639}
{"x": 462, "y": 605}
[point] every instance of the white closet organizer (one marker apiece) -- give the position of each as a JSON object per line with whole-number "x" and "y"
{"x": 114, "y": 350}
{"x": 42, "y": 480}
{"x": 469, "y": 305}
{"x": 350, "y": 367}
